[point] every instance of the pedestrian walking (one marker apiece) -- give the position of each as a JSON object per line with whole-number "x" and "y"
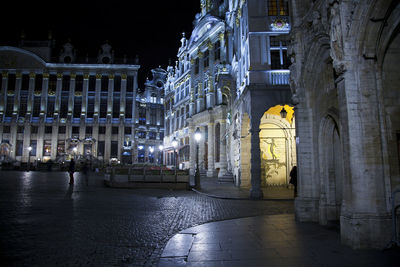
{"x": 293, "y": 179}
{"x": 71, "y": 170}
{"x": 85, "y": 171}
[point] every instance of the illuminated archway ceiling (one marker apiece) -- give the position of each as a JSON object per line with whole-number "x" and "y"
{"x": 277, "y": 111}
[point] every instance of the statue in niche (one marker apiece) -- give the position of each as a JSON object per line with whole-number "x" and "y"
{"x": 272, "y": 147}
{"x": 336, "y": 38}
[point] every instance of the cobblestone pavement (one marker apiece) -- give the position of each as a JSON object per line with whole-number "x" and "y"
{"x": 46, "y": 222}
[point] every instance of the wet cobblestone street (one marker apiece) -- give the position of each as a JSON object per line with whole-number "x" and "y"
{"x": 46, "y": 222}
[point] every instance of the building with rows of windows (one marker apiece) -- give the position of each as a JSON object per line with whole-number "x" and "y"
{"x": 63, "y": 107}
{"x": 231, "y": 82}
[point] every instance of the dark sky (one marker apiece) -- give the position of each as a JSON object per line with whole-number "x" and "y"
{"x": 150, "y": 29}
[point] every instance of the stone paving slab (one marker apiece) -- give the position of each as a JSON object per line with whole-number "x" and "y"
{"x": 270, "y": 240}
{"x": 46, "y": 222}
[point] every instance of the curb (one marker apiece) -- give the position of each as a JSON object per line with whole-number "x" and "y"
{"x": 240, "y": 198}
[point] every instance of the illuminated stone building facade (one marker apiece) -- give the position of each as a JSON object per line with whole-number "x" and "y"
{"x": 231, "y": 81}
{"x": 346, "y": 84}
{"x": 67, "y": 107}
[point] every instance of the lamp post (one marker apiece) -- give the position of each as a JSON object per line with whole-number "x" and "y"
{"x": 197, "y": 138}
{"x": 75, "y": 149}
{"x": 161, "y": 147}
{"x": 175, "y": 145}
{"x": 283, "y": 112}
{"x": 151, "y": 150}
{"x": 29, "y": 157}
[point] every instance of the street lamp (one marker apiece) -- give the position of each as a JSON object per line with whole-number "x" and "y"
{"x": 29, "y": 156}
{"x": 175, "y": 145}
{"x": 283, "y": 112}
{"x": 151, "y": 150}
{"x": 197, "y": 138}
{"x": 75, "y": 149}
{"x": 161, "y": 147}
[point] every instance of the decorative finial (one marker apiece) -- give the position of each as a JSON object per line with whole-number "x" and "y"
{"x": 183, "y": 34}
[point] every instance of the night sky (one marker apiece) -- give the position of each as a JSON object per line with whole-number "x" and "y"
{"x": 150, "y": 29}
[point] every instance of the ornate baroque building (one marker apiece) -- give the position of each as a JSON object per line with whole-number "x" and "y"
{"x": 231, "y": 81}
{"x": 346, "y": 84}
{"x": 69, "y": 107}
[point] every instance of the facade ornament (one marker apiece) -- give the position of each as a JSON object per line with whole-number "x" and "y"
{"x": 4, "y": 74}
{"x": 336, "y": 39}
{"x": 210, "y": 45}
{"x": 59, "y": 75}
{"x": 111, "y": 76}
{"x": 221, "y": 36}
{"x": 73, "y": 75}
{"x": 192, "y": 61}
{"x": 46, "y": 75}
{"x": 123, "y": 76}
{"x": 200, "y": 54}
{"x": 32, "y": 75}
{"x": 98, "y": 76}
{"x": 86, "y": 76}
{"x": 18, "y": 75}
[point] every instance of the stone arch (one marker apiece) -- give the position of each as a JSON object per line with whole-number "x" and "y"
{"x": 331, "y": 169}
{"x": 276, "y": 133}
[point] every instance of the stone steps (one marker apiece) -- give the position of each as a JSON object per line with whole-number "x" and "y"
{"x": 226, "y": 178}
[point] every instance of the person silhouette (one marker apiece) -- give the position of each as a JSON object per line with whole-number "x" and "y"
{"x": 293, "y": 179}
{"x": 71, "y": 170}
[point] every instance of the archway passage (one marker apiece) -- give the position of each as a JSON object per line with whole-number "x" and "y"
{"x": 277, "y": 145}
{"x": 331, "y": 162}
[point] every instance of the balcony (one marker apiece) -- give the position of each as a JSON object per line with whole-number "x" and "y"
{"x": 278, "y": 77}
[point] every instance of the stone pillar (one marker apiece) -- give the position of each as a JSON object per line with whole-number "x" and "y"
{"x": 3, "y": 94}
{"x": 71, "y": 97}
{"x": 123, "y": 96}
{"x": 192, "y": 153}
{"x": 27, "y": 141}
{"x": 17, "y": 93}
{"x": 85, "y": 88}
{"x": 134, "y": 111}
{"x": 45, "y": 89}
{"x": 110, "y": 99}
{"x": 54, "y": 141}
{"x": 97, "y": 97}
{"x": 222, "y": 158}
{"x": 57, "y": 102}
{"x": 210, "y": 156}
{"x": 201, "y": 148}
{"x": 365, "y": 220}
{"x": 107, "y": 145}
{"x": 221, "y": 37}
{"x": 255, "y": 192}
{"x": 30, "y": 94}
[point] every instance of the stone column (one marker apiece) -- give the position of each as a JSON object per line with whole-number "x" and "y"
{"x": 135, "y": 85}
{"x": 222, "y": 158}
{"x": 255, "y": 192}
{"x": 123, "y": 96}
{"x": 30, "y": 94}
{"x": 45, "y": 89}
{"x": 57, "y": 102}
{"x": 97, "y": 98}
{"x": 210, "y": 156}
{"x": 85, "y": 88}
{"x": 192, "y": 153}
{"x": 17, "y": 93}
{"x": 201, "y": 148}
{"x": 107, "y": 145}
{"x": 71, "y": 97}
{"x": 110, "y": 99}
{"x": 3, "y": 94}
